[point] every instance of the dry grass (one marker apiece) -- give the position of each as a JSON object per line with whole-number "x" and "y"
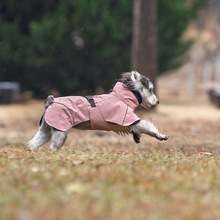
{"x": 98, "y": 175}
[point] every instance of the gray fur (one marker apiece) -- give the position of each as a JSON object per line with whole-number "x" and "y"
{"x": 127, "y": 81}
{"x": 130, "y": 84}
{"x": 49, "y": 101}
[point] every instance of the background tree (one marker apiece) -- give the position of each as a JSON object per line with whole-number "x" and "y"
{"x": 65, "y": 45}
{"x": 73, "y": 45}
{"x": 173, "y": 19}
{"x": 144, "y": 44}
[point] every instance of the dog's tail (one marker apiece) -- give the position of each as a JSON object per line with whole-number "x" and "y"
{"x": 49, "y": 101}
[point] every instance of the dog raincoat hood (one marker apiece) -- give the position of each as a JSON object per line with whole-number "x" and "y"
{"x": 111, "y": 110}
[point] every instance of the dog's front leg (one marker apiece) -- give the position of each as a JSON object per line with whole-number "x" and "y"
{"x": 146, "y": 127}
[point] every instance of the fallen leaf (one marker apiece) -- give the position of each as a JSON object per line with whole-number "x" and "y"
{"x": 76, "y": 188}
{"x": 63, "y": 172}
{"x": 77, "y": 162}
{"x": 34, "y": 169}
{"x": 205, "y": 154}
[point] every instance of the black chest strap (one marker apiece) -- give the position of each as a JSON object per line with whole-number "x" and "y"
{"x": 91, "y": 100}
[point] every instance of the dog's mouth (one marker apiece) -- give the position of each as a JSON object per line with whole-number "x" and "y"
{"x": 149, "y": 106}
{"x": 153, "y": 106}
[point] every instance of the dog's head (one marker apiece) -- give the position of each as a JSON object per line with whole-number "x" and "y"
{"x": 134, "y": 81}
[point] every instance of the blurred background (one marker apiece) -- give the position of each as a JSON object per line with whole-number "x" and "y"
{"x": 82, "y": 46}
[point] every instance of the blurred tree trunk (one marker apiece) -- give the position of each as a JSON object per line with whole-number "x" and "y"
{"x": 144, "y": 42}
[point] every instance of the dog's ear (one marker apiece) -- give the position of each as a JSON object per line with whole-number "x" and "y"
{"x": 135, "y": 76}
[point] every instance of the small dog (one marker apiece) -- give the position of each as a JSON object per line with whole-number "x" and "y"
{"x": 110, "y": 112}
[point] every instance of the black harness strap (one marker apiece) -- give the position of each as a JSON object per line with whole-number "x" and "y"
{"x": 91, "y": 100}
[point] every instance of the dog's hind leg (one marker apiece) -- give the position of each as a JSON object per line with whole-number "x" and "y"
{"x": 41, "y": 137}
{"x": 146, "y": 127}
{"x": 58, "y": 138}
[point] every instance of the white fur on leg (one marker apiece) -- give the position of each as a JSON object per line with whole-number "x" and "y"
{"x": 41, "y": 137}
{"x": 58, "y": 139}
{"x": 149, "y": 128}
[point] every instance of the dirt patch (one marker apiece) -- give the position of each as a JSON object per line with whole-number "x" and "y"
{"x": 101, "y": 175}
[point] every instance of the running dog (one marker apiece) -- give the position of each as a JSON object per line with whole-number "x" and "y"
{"x": 109, "y": 112}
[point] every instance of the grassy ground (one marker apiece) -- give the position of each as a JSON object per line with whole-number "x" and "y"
{"x": 99, "y": 175}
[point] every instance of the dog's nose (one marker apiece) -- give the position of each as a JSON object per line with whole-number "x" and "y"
{"x": 158, "y": 102}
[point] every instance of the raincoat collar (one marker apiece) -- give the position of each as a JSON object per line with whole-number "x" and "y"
{"x": 125, "y": 95}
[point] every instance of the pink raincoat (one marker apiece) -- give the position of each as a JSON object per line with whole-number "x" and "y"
{"x": 111, "y": 111}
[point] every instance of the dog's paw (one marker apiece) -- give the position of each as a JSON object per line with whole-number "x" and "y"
{"x": 166, "y": 137}
{"x": 31, "y": 146}
{"x": 136, "y": 137}
{"x": 162, "y": 137}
